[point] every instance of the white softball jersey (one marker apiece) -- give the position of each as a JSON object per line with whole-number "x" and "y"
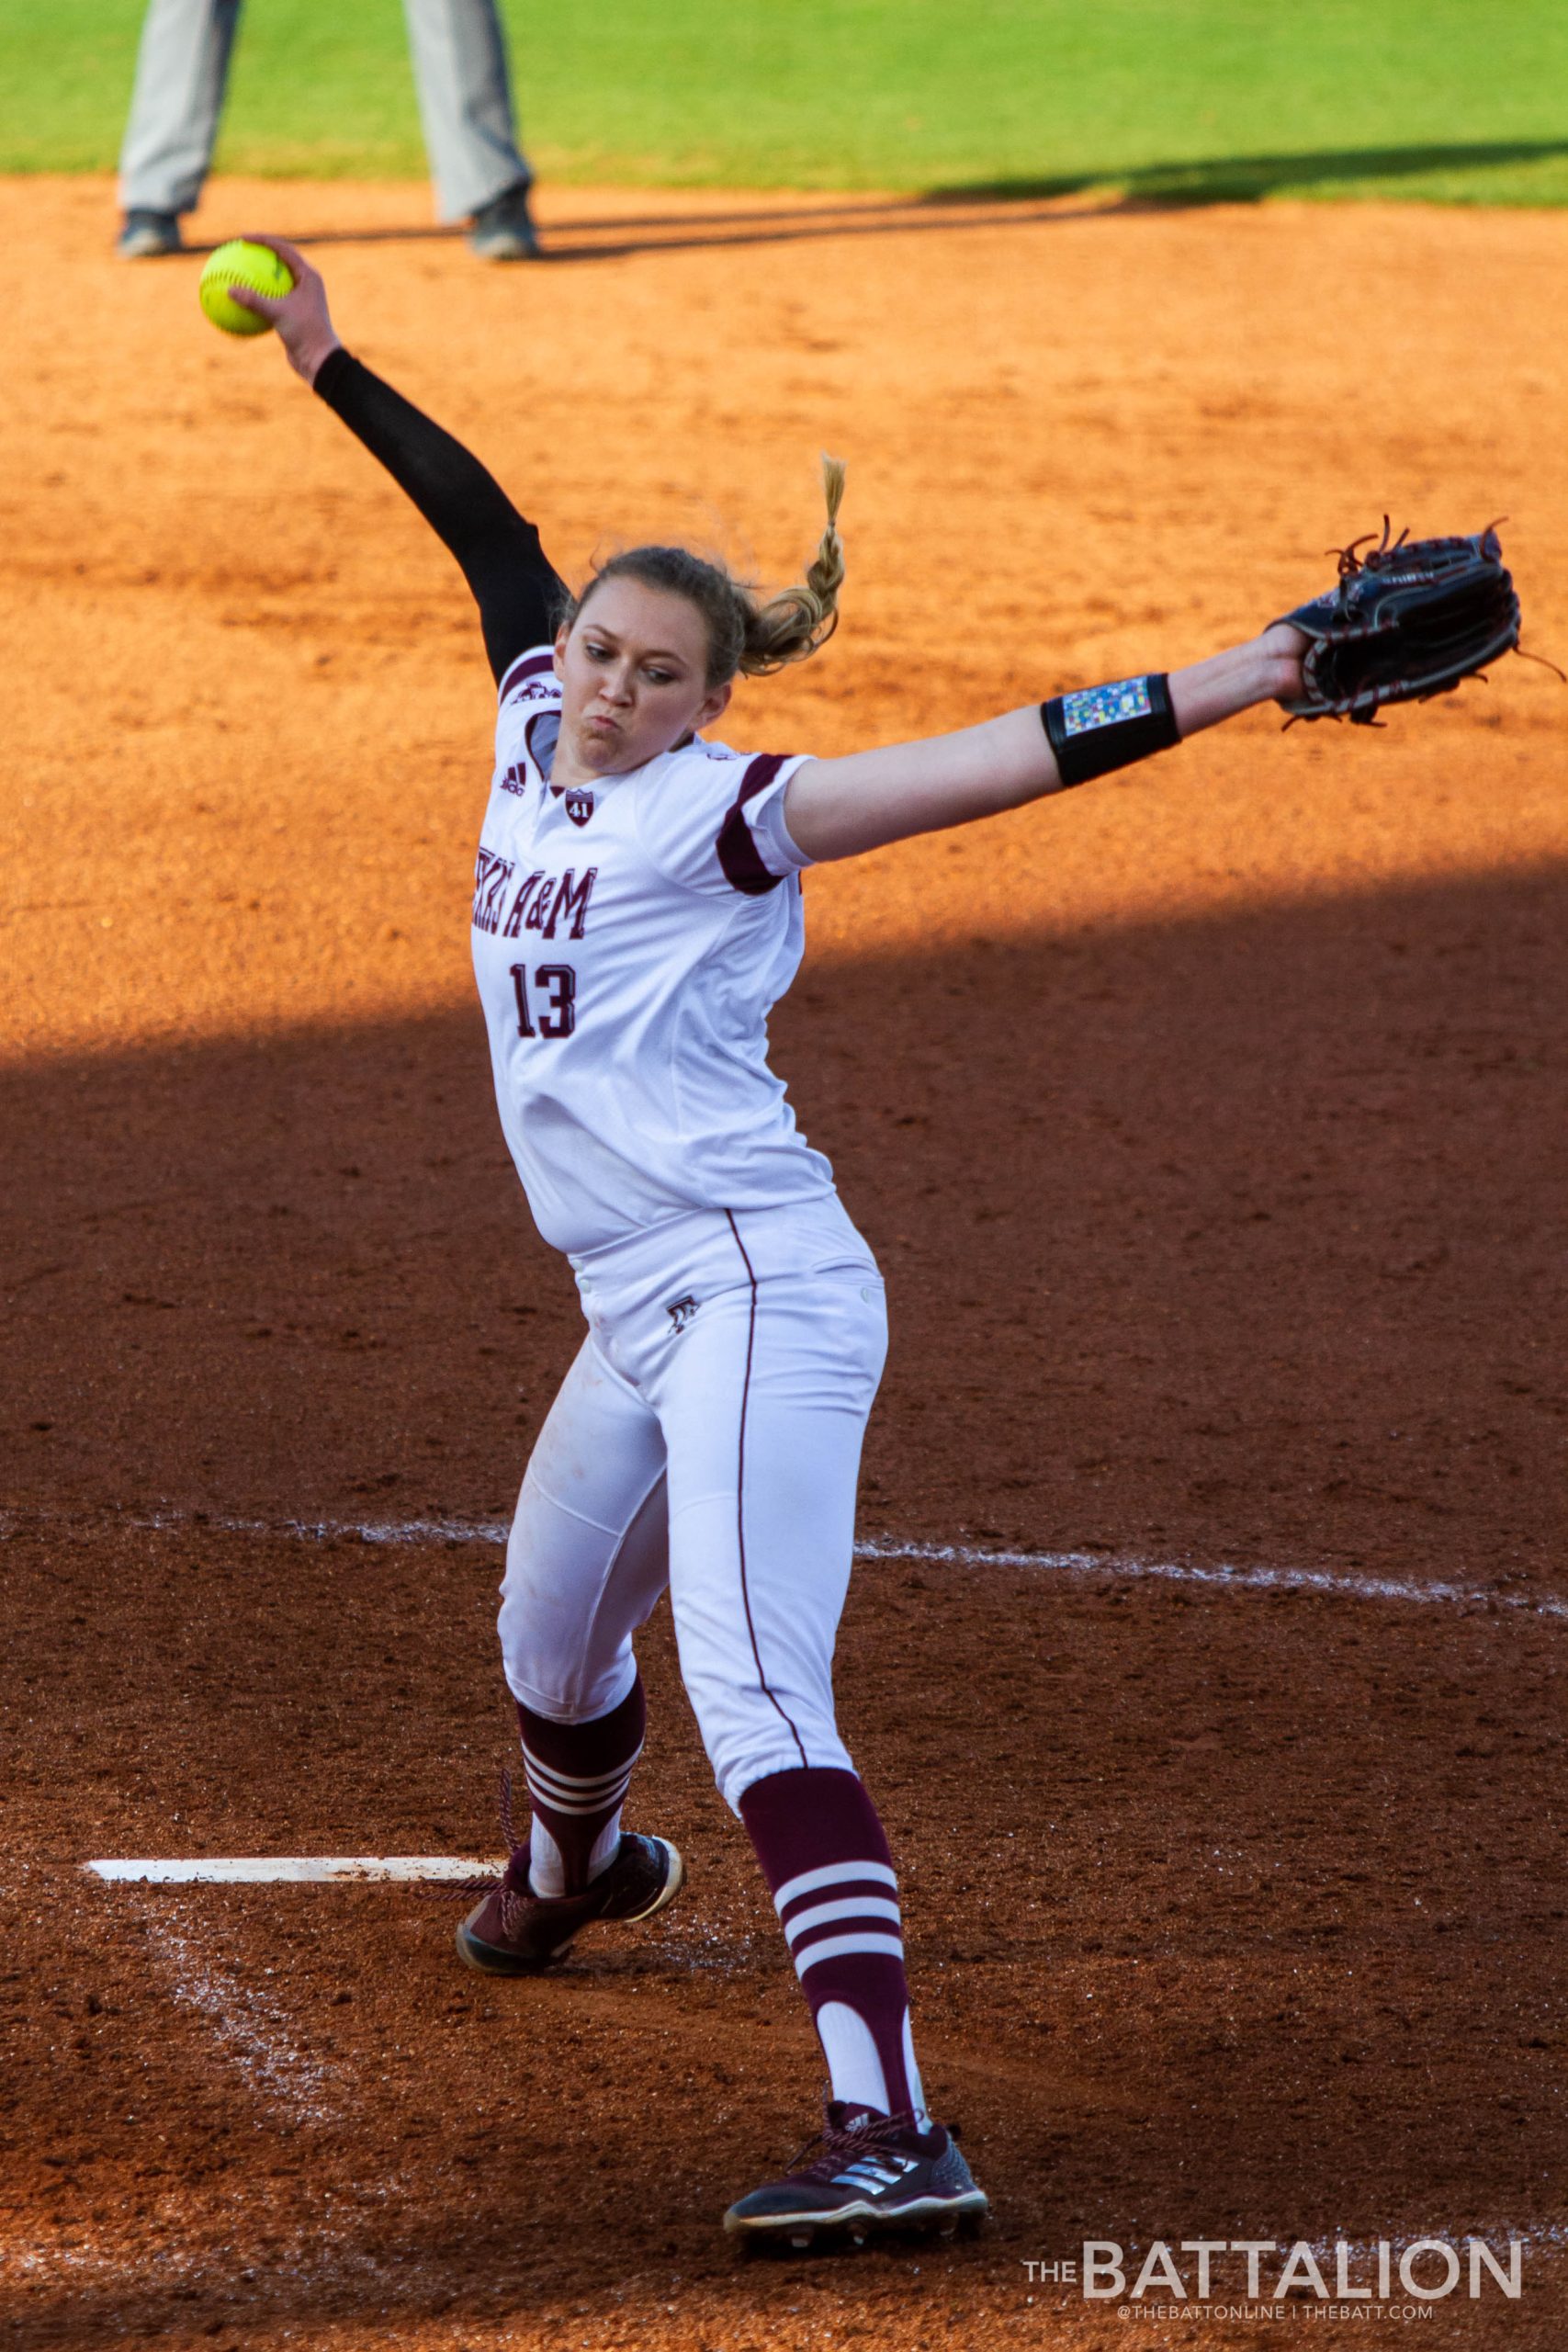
{"x": 629, "y": 941}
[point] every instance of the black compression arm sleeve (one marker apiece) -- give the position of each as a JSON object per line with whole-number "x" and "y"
{"x": 514, "y": 582}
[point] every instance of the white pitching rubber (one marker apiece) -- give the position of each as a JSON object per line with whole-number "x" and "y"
{"x": 251, "y": 1870}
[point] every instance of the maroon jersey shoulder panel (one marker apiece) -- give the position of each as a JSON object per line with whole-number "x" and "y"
{"x": 743, "y": 867}
{"x": 527, "y": 665}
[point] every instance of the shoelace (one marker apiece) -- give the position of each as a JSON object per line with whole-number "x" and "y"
{"x": 512, "y": 1900}
{"x": 464, "y": 1889}
{"x": 842, "y": 2143}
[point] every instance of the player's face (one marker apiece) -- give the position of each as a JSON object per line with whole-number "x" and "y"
{"x": 633, "y": 669}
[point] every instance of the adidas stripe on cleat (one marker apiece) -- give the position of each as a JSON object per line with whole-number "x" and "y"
{"x": 869, "y": 2174}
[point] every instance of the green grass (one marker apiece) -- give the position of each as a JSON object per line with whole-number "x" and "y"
{"x": 1177, "y": 100}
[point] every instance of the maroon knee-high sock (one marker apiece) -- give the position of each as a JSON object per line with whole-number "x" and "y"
{"x": 577, "y": 1776}
{"x": 826, "y": 1858}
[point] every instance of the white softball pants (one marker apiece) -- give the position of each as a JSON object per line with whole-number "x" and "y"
{"x": 707, "y": 1438}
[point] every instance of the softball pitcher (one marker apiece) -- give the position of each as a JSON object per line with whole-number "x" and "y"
{"x": 636, "y": 912}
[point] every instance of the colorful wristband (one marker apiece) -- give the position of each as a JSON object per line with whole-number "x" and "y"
{"x": 1109, "y": 727}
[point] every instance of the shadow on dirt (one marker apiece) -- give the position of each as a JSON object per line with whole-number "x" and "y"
{"x": 1250, "y": 179}
{"x": 1231, "y": 1235}
{"x": 966, "y": 205}
{"x": 1228, "y": 1234}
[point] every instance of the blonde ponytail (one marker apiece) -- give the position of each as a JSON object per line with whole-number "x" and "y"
{"x": 798, "y": 622}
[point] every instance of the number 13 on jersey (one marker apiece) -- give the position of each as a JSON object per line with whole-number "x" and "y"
{"x": 558, "y": 1017}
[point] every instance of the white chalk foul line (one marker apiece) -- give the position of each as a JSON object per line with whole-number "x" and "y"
{"x": 267, "y": 1870}
{"x": 1340, "y": 1584}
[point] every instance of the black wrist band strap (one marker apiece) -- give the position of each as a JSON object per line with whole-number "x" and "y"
{"x": 1109, "y": 727}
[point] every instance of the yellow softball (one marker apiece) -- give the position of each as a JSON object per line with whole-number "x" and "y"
{"x": 239, "y": 263}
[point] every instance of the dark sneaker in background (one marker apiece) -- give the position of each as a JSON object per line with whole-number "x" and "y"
{"x": 143, "y": 236}
{"x": 503, "y": 230}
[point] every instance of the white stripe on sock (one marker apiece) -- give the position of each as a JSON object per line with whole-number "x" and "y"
{"x": 832, "y": 1946}
{"x": 833, "y": 1874}
{"x": 548, "y": 1801}
{"x": 574, "y": 1784}
{"x": 849, "y": 1906}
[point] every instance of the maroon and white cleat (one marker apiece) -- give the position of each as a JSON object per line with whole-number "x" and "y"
{"x": 867, "y": 2174}
{"x": 514, "y": 1932}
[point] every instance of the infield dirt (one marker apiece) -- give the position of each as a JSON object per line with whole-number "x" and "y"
{"x": 1207, "y": 1124}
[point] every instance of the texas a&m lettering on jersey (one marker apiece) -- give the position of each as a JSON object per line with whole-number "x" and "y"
{"x": 492, "y": 875}
{"x": 546, "y": 900}
{"x": 542, "y": 901}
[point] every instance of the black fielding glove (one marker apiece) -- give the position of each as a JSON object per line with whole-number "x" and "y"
{"x": 1406, "y": 622}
